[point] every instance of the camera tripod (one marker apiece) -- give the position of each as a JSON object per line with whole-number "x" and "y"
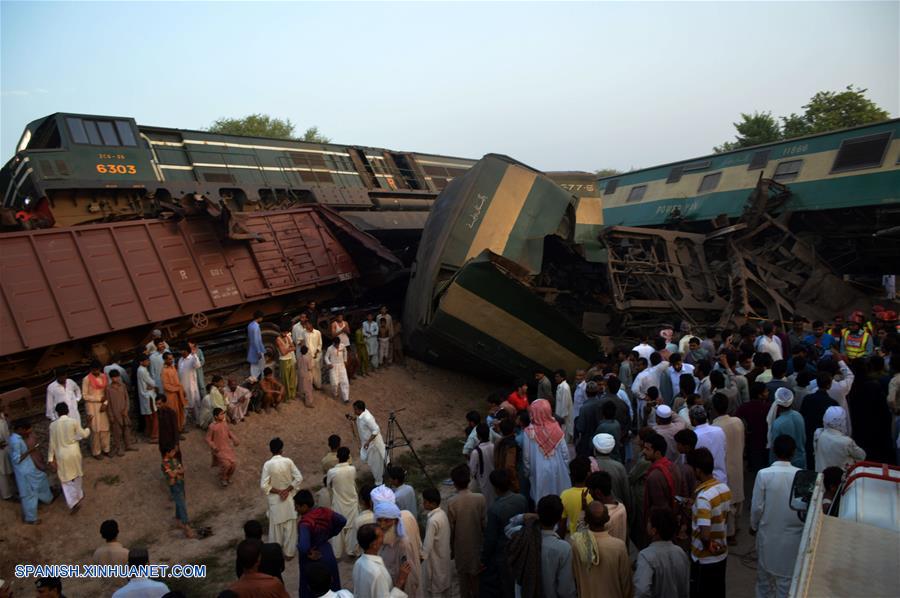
{"x": 394, "y": 442}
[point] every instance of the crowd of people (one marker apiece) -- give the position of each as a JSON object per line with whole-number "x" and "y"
{"x": 626, "y": 479}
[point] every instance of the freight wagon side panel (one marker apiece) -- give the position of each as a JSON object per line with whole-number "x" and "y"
{"x": 35, "y": 318}
{"x": 296, "y": 250}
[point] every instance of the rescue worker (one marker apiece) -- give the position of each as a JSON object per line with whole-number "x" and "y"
{"x": 855, "y": 341}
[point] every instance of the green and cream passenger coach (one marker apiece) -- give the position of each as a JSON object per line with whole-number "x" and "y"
{"x": 845, "y": 182}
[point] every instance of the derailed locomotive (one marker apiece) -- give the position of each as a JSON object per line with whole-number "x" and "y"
{"x": 72, "y": 169}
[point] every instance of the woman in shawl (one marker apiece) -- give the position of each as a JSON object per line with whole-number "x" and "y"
{"x": 833, "y": 447}
{"x": 544, "y": 452}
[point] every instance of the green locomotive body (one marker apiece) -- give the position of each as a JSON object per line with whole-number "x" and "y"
{"x": 72, "y": 169}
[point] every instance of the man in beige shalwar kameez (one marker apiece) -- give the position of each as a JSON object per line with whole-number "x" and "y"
{"x": 734, "y": 460}
{"x": 280, "y": 481}
{"x": 466, "y": 512}
{"x": 65, "y": 452}
{"x": 602, "y": 567}
{"x": 341, "y": 480}
{"x": 93, "y": 391}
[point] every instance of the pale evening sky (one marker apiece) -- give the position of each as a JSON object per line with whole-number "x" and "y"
{"x": 555, "y": 85}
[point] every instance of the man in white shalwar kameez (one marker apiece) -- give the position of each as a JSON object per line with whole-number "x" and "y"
{"x": 564, "y": 405}
{"x": 777, "y": 527}
{"x": 157, "y": 363}
{"x": 65, "y": 452}
{"x": 370, "y": 334}
{"x": 341, "y": 480}
{"x": 336, "y": 361}
{"x": 280, "y": 481}
{"x": 372, "y": 449}
{"x": 63, "y": 390}
{"x": 371, "y": 579}
{"x": 187, "y": 375}
{"x": 314, "y": 344}
{"x": 436, "y": 548}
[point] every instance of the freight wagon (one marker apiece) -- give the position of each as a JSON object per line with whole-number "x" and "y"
{"x": 844, "y": 192}
{"x": 75, "y": 169}
{"x": 71, "y": 294}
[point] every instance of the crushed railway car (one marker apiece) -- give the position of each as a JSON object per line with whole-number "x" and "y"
{"x": 497, "y": 241}
{"x": 72, "y": 169}
{"x": 509, "y": 280}
{"x": 95, "y": 291}
{"x": 844, "y": 193}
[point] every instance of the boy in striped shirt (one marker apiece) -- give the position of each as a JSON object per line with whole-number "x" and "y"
{"x": 709, "y": 548}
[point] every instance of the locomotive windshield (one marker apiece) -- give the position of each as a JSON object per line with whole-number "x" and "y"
{"x": 99, "y": 131}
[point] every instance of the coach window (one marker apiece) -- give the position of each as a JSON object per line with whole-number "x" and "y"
{"x": 611, "y": 187}
{"x": 787, "y": 171}
{"x": 861, "y": 152}
{"x": 759, "y": 160}
{"x": 709, "y": 182}
{"x": 636, "y": 193}
{"x": 675, "y": 174}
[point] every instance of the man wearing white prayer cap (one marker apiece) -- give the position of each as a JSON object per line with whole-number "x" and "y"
{"x": 602, "y": 461}
{"x": 784, "y": 420}
{"x": 667, "y": 425}
{"x": 832, "y": 446}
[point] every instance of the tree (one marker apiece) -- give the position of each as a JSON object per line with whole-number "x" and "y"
{"x": 826, "y": 111}
{"x": 312, "y": 134}
{"x": 254, "y": 125}
{"x": 760, "y": 127}
{"x": 607, "y": 172}
{"x": 830, "y": 110}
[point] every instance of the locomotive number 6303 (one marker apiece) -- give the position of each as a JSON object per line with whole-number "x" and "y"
{"x": 116, "y": 168}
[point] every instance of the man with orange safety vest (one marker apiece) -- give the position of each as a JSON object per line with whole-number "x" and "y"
{"x": 856, "y": 342}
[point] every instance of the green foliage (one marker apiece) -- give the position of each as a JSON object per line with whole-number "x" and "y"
{"x": 312, "y": 134}
{"x": 753, "y": 129}
{"x": 263, "y": 125}
{"x": 830, "y": 110}
{"x": 607, "y": 172}
{"x": 254, "y": 125}
{"x": 826, "y": 111}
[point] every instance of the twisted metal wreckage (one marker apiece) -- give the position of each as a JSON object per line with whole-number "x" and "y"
{"x": 508, "y": 279}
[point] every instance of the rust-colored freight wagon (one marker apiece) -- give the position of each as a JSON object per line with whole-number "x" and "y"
{"x": 69, "y": 294}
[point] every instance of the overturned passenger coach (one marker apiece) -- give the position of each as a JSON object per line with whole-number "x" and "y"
{"x": 497, "y": 241}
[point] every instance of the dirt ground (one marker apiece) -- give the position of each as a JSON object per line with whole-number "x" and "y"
{"x": 131, "y": 489}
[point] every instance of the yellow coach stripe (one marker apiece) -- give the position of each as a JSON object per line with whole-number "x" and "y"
{"x": 489, "y": 319}
{"x": 589, "y": 211}
{"x": 498, "y": 222}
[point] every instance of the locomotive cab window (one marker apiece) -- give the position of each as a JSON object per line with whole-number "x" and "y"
{"x": 105, "y": 132}
{"x": 45, "y": 137}
{"x": 636, "y": 193}
{"x": 709, "y": 182}
{"x": 787, "y": 171}
{"x": 861, "y": 152}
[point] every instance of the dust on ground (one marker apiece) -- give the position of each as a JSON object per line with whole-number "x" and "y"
{"x": 131, "y": 489}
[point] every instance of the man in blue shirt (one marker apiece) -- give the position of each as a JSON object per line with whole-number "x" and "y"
{"x": 820, "y": 340}
{"x": 256, "y": 350}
